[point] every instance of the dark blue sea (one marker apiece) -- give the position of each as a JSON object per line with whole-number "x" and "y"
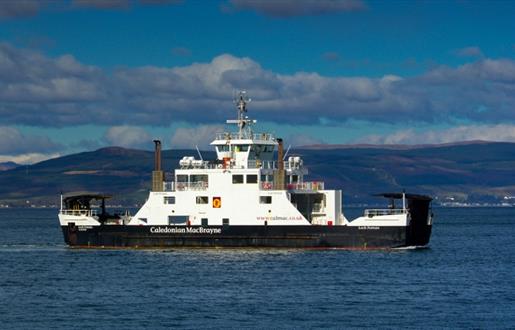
{"x": 466, "y": 279}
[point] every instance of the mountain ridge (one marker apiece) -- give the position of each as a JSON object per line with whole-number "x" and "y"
{"x": 466, "y": 172}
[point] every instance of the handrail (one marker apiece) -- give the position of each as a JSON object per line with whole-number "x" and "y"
{"x": 257, "y": 163}
{"x": 87, "y": 213}
{"x": 305, "y": 186}
{"x": 245, "y": 135}
{"x": 201, "y": 185}
{"x": 378, "y": 212}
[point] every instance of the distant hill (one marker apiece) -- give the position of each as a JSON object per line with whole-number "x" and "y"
{"x": 8, "y": 166}
{"x": 467, "y": 172}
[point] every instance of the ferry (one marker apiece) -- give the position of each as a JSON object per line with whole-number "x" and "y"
{"x": 252, "y": 195}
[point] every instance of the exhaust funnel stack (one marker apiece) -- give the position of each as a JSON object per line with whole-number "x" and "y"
{"x": 157, "y": 174}
{"x": 280, "y": 155}
{"x": 279, "y": 183}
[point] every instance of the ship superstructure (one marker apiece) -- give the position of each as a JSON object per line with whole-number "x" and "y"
{"x": 247, "y": 196}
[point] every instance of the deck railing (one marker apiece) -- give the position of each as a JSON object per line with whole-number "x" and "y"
{"x": 377, "y": 212}
{"x": 264, "y": 164}
{"x": 181, "y": 186}
{"x": 86, "y": 213}
{"x": 305, "y": 186}
{"x": 245, "y": 135}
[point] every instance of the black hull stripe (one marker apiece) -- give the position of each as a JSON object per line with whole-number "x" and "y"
{"x": 343, "y": 237}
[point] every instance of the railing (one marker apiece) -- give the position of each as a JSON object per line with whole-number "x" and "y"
{"x": 264, "y": 164}
{"x": 310, "y": 185}
{"x": 245, "y": 135}
{"x": 306, "y": 186}
{"x": 272, "y": 164}
{"x": 87, "y": 213}
{"x": 181, "y": 186}
{"x": 377, "y": 212}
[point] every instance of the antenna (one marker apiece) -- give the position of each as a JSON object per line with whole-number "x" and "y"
{"x": 244, "y": 123}
{"x": 199, "y": 154}
{"x": 287, "y": 150}
{"x": 241, "y": 101}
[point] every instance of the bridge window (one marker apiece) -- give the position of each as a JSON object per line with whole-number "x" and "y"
{"x": 265, "y": 199}
{"x": 241, "y": 148}
{"x": 202, "y": 199}
{"x": 224, "y": 148}
{"x": 169, "y": 199}
{"x": 251, "y": 178}
{"x": 237, "y": 178}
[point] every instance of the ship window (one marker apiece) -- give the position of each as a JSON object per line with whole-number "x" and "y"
{"x": 177, "y": 219}
{"x": 225, "y": 221}
{"x": 251, "y": 178}
{"x": 169, "y": 199}
{"x": 265, "y": 199}
{"x": 182, "y": 178}
{"x": 224, "y": 148}
{"x": 237, "y": 178}
{"x": 294, "y": 178}
{"x": 269, "y": 148}
{"x": 202, "y": 199}
{"x": 241, "y": 148}
{"x": 204, "y": 222}
{"x": 263, "y": 178}
{"x": 198, "y": 178}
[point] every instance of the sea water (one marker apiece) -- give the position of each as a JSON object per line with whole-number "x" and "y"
{"x": 465, "y": 279}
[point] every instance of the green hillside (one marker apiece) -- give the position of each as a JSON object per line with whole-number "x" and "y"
{"x": 477, "y": 172}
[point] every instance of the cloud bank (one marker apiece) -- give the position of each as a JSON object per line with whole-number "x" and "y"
{"x": 127, "y": 136}
{"x": 501, "y": 133}
{"x": 39, "y": 90}
{"x": 14, "y": 143}
{"x": 289, "y": 8}
{"x": 12, "y": 9}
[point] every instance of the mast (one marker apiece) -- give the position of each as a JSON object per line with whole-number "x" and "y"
{"x": 243, "y": 121}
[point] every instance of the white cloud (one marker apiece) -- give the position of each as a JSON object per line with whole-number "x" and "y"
{"x": 297, "y": 140}
{"x": 500, "y": 133}
{"x": 13, "y": 142}
{"x": 43, "y": 91}
{"x": 29, "y": 158}
{"x": 199, "y": 136}
{"x": 289, "y": 8}
{"x": 127, "y": 136}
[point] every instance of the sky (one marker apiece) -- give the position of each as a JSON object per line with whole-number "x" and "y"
{"x": 78, "y": 75}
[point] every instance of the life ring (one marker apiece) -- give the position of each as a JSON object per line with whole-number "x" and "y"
{"x": 217, "y": 202}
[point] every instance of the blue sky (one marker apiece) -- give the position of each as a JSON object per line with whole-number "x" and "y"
{"x": 80, "y": 75}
